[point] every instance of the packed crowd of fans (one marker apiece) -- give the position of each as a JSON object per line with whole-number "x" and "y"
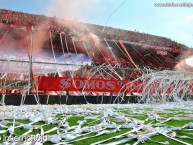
{"x": 77, "y": 28}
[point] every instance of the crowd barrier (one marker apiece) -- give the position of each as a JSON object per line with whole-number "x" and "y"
{"x": 68, "y": 100}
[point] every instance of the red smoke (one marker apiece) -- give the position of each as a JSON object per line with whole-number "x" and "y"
{"x": 82, "y": 10}
{"x": 71, "y": 10}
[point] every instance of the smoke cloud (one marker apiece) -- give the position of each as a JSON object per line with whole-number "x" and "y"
{"x": 67, "y": 13}
{"x": 80, "y": 10}
{"x": 186, "y": 61}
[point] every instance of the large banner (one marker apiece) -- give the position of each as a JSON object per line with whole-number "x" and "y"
{"x": 85, "y": 85}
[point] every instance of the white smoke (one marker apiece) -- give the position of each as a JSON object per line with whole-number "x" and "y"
{"x": 189, "y": 61}
{"x": 80, "y": 10}
{"x": 186, "y": 61}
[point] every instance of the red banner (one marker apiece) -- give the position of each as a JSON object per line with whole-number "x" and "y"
{"x": 85, "y": 85}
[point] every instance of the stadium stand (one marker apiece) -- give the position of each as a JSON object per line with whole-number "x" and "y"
{"x": 143, "y": 51}
{"x": 24, "y": 19}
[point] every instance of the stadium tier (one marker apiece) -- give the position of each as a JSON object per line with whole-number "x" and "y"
{"x": 37, "y": 47}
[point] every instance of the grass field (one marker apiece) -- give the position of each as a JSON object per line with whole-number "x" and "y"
{"x": 168, "y": 123}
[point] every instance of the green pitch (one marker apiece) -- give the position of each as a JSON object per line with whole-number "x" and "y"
{"x": 168, "y": 123}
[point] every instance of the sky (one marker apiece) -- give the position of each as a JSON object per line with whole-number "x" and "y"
{"x": 175, "y": 23}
